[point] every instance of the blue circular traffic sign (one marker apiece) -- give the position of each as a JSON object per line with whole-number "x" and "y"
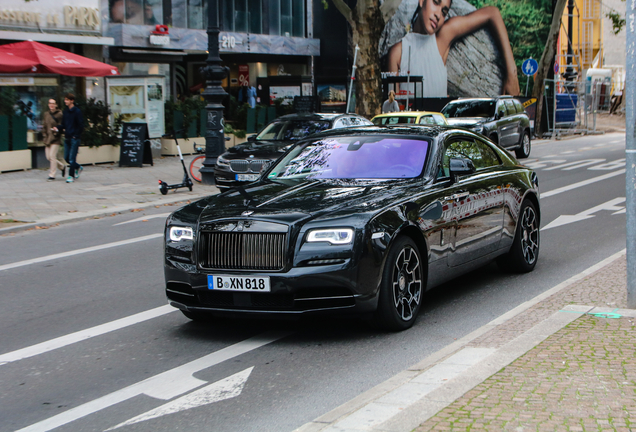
{"x": 530, "y": 67}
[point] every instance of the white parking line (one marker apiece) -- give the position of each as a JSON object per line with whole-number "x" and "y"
{"x": 581, "y": 183}
{"x": 81, "y": 335}
{"x": 78, "y": 251}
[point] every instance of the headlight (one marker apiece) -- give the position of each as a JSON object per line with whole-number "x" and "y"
{"x": 181, "y": 233}
{"x": 222, "y": 162}
{"x": 338, "y": 236}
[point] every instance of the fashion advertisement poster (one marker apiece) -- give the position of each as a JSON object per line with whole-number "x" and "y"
{"x": 463, "y": 48}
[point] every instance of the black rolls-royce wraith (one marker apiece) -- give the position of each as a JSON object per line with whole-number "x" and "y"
{"x": 362, "y": 220}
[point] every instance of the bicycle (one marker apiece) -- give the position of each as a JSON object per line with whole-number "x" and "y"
{"x": 197, "y": 163}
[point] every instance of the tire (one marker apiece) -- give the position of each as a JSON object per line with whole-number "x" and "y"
{"x": 401, "y": 288}
{"x": 524, "y": 252}
{"x": 163, "y": 188}
{"x": 195, "y": 166}
{"x": 524, "y": 147}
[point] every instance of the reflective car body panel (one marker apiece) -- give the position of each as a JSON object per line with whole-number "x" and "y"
{"x": 268, "y": 229}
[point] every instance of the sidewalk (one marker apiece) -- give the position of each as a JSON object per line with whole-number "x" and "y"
{"x": 27, "y": 198}
{"x": 564, "y": 361}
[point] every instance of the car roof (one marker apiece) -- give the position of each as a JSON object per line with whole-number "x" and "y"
{"x": 463, "y": 99}
{"x": 407, "y": 114}
{"x": 431, "y": 131}
{"x": 315, "y": 116}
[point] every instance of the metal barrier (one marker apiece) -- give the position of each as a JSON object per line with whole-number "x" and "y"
{"x": 572, "y": 105}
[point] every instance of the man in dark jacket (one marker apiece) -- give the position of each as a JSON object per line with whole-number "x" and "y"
{"x": 72, "y": 125}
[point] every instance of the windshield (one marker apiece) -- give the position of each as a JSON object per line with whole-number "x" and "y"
{"x": 394, "y": 120}
{"x": 359, "y": 157}
{"x": 289, "y": 130}
{"x": 478, "y": 108}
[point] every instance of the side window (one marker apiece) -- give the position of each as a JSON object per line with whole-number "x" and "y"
{"x": 480, "y": 153}
{"x": 439, "y": 119}
{"x": 518, "y": 106}
{"x": 511, "y": 107}
{"x": 341, "y": 122}
{"x": 355, "y": 121}
{"x": 427, "y": 120}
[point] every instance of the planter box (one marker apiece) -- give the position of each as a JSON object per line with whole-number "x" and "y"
{"x": 169, "y": 148}
{"x": 94, "y": 155}
{"x": 16, "y": 160}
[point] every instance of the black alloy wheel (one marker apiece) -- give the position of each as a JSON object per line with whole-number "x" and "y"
{"x": 524, "y": 253}
{"x": 524, "y": 149}
{"x": 402, "y": 287}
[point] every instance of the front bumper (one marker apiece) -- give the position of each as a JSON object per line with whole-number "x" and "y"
{"x": 299, "y": 291}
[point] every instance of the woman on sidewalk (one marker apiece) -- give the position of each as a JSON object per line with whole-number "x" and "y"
{"x": 53, "y": 139}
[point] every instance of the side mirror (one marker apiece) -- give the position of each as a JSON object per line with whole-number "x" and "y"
{"x": 460, "y": 167}
{"x": 251, "y": 138}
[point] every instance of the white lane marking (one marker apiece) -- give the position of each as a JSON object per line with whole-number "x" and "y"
{"x": 226, "y": 388}
{"x": 543, "y": 163}
{"x": 582, "y": 183}
{"x": 586, "y": 214}
{"x": 618, "y": 163}
{"x": 568, "y": 152}
{"x": 576, "y": 164}
{"x": 155, "y": 216}
{"x": 165, "y": 385}
{"x": 78, "y": 251}
{"x": 81, "y": 335}
{"x": 630, "y": 151}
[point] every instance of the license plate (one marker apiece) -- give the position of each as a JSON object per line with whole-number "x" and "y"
{"x": 247, "y": 177}
{"x": 238, "y": 283}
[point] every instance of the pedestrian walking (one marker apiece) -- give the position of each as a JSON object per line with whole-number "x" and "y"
{"x": 72, "y": 125}
{"x": 52, "y": 138}
{"x": 390, "y": 105}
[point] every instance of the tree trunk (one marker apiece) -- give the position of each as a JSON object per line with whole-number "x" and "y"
{"x": 367, "y": 27}
{"x": 546, "y": 60}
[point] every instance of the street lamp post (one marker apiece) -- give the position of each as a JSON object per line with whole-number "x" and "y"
{"x": 214, "y": 95}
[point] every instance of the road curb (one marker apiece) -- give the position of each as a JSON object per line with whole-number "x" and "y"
{"x": 367, "y": 412}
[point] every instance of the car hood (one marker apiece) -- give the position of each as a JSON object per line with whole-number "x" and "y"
{"x": 466, "y": 121}
{"x": 315, "y": 199}
{"x": 258, "y": 149}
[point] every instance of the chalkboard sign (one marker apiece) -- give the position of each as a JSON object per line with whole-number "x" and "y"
{"x": 135, "y": 148}
{"x": 305, "y": 104}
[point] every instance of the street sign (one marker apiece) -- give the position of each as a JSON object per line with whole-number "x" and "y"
{"x": 556, "y": 67}
{"x": 530, "y": 67}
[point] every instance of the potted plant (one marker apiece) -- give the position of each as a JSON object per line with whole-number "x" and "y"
{"x": 99, "y": 142}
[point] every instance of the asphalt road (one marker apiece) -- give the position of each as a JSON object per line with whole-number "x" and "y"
{"x": 79, "y": 350}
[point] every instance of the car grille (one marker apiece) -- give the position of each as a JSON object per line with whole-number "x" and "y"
{"x": 247, "y": 166}
{"x": 242, "y": 250}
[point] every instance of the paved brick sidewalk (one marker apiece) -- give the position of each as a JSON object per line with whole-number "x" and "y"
{"x": 582, "y": 378}
{"x": 26, "y": 196}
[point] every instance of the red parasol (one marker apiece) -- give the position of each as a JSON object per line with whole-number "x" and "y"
{"x": 34, "y": 57}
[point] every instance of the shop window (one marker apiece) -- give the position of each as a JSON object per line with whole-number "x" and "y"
{"x": 242, "y": 16}
{"x": 148, "y": 69}
{"x": 140, "y": 12}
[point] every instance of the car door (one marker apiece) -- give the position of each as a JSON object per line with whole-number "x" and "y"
{"x": 513, "y": 122}
{"x": 476, "y": 201}
{"x": 503, "y": 124}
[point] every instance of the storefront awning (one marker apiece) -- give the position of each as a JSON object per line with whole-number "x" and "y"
{"x": 40, "y": 58}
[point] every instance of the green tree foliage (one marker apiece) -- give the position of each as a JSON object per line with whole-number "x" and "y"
{"x": 528, "y": 25}
{"x": 618, "y": 21}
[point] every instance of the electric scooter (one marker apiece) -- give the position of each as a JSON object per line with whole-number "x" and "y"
{"x": 187, "y": 181}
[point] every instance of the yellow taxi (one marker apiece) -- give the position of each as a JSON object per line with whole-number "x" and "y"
{"x": 410, "y": 117}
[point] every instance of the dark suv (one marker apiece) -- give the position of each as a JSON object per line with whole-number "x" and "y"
{"x": 502, "y": 119}
{"x": 242, "y": 163}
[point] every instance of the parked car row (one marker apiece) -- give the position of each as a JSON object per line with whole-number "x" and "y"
{"x": 501, "y": 119}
